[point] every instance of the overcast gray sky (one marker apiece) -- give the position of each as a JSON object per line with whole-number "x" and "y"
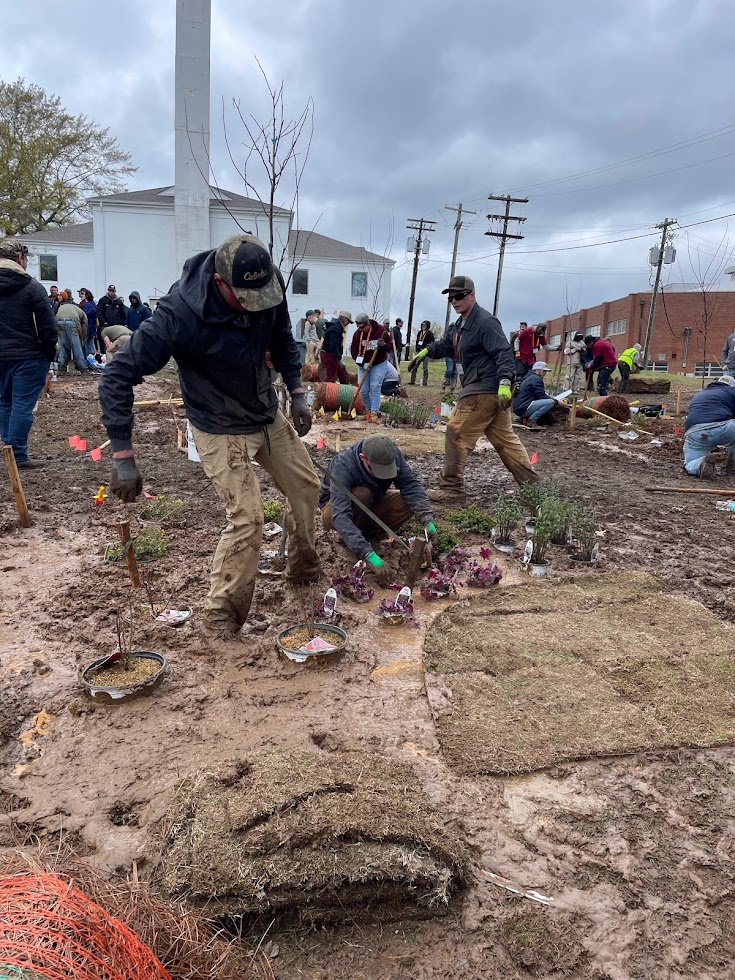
{"x": 423, "y": 104}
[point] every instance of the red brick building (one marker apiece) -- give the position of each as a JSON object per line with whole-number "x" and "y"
{"x": 678, "y": 340}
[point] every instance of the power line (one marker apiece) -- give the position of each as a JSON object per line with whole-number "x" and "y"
{"x": 457, "y": 226}
{"x": 504, "y": 235}
{"x": 420, "y": 225}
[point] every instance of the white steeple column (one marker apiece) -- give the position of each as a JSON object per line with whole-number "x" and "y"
{"x": 193, "y": 30}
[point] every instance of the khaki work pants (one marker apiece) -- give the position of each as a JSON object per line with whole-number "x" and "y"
{"x": 312, "y": 351}
{"x": 227, "y": 463}
{"x": 392, "y": 510}
{"x": 575, "y": 378}
{"x": 472, "y": 417}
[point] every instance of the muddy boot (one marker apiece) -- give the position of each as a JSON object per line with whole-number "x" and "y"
{"x": 729, "y": 469}
{"x": 455, "y": 497}
{"x": 707, "y": 470}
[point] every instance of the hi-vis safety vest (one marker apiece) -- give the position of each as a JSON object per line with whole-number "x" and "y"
{"x": 628, "y": 355}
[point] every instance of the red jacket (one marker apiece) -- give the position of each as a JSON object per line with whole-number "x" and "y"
{"x": 365, "y": 342}
{"x": 603, "y": 354}
{"x": 526, "y": 343}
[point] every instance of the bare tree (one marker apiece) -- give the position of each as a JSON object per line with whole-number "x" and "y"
{"x": 707, "y": 270}
{"x": 571, "y": 305}
{"x": 374, "y": 273}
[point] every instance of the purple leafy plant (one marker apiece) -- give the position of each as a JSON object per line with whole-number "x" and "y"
{"x": 437, "y": 584}
{"x": 352, "y": 585}
{"x": 480, "y": 576}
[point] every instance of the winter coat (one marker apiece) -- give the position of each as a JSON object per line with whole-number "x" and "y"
{"x": 574, "y": 350}
{"x": 398, "y": 338}
{"x": 111, "y": 312}
{"x": 333, "y": 336}
{"x": 716, "y": 403}
{"x": 27, "y": 323}
{"x": 603, "y": 355}
{"x": 91, "y": 310}
{"x": 531, "y": 389}
{"x": 220, "y": 353}
{"x": 364, "y": 344}
{"x": 423, "y": 340}
{"x": 347, "y": 467}
{"x": 483, "y": 350}
{"x": 136, "y": 314}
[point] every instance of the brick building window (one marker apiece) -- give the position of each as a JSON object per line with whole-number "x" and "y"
{"x": 300, "y": 282}
{"x": 617, "y": 326}
{"x": 593, "y": 331}
{"x": 555, "y": 340}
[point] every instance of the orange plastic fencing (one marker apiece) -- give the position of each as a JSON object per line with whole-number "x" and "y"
{"x": 51, "y": 930}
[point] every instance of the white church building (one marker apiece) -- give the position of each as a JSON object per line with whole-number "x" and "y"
{"x": 139, "y": 240}
{"x": 131, "y": 243}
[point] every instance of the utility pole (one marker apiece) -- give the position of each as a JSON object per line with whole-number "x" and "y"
{"x": 665, "y": 225}
{"x": 457, "y": 225}
{"x": 503, "y": 235}
{"x": 419, "y": 225}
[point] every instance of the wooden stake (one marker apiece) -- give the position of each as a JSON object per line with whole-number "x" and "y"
{"x": 573, "y": 413}
{"x": 124, "y": 531}
{"x": 158, "y": 401}
{"x": 20, "y": 499}
{"x": 722, "y": 492}
{"x": 678, "y": 401}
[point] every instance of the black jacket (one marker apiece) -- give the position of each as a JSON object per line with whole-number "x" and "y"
{"x": 334, "y": 334}
{"x": 111, "y": 312}
{"x": 398, "y": 338}
{"x": 220, "y": 353}
{"x": 423, "y": 340}
{"x": 27, "y": 324}
{"x": 347, "y": 467}
{"x": 482, "y": 349}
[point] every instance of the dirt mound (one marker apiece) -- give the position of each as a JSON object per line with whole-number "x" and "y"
{"x": 535, "y": 674}
{"x": 315, "y": 834}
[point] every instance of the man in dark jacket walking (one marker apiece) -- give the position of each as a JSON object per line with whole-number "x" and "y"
{"x": 377, "y": 474}
{"x": 218, "y": 321}
{"x": 485, "y": 365}
{"x": 27, "y": 346}
{"x": 424, "y": 337}
{"x": 136, "y": 312}
{"x": 111, "y": 311}
{"x": 710, "y": 423}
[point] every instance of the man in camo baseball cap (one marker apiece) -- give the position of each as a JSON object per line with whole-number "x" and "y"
{"x": 244, "y": 263}
{"x": 11, "y": 249}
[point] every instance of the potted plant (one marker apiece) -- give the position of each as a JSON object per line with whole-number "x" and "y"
{"x": 508, "y": 512}
{"x": 584, "y": 527}
{"x": 563, "y": 537}
{"x": 533, "y": 495}
{"x": 547, "y": 525}
{"x": 126, "y": 673}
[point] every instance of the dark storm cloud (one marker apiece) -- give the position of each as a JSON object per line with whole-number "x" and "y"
{"x": 419, "y": 105}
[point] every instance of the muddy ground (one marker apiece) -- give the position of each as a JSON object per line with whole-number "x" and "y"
{"x": 636, "y": 853}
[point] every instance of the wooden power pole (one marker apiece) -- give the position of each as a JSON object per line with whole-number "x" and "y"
{"x": 420, "y": 226}
{"x": 457, "y": 225}
{"x": 503, "y": 235}
{"x": 664, "y": 226}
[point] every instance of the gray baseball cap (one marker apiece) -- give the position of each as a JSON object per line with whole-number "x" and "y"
{"x": 381, "y": 451}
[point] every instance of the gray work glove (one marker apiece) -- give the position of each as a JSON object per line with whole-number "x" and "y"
{"x": 126, "y": 482}
{"x": 301, "y": 414}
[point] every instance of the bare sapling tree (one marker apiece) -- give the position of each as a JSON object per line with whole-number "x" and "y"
{"x": 375, "y": 269}
{"x": 279, "y": 147}
{"x": 707, "y": 268}
{"x": 571, "y": 305}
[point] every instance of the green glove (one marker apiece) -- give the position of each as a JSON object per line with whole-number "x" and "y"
{"x": 379, "y": 569}
{"x": 432, "y": 535}
{"x": 417, "y": 359}
{"x": 505, "y": 398}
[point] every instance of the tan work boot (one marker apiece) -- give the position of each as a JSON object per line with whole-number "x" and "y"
{"x": 456, "y": 497}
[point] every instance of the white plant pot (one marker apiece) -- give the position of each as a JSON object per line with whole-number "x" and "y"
{"x": 539, "y": 571}
{"x": 505, "y": 547}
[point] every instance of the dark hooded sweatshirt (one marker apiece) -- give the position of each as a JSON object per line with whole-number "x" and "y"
{"x": 220, "y": 353}
{"x": 27, "y": 323}
{"x": 136, "y": 312}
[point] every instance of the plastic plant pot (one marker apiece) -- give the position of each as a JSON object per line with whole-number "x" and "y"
{"x": 539, "y": 570}
{"x": 116, "y": 695}
{"x": 505, "y": 547}
{"x": 333, "y": 634}
{"x": 530, "y": 525}
{"x": 583, "y": 560}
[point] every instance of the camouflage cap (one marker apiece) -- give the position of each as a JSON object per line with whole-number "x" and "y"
{"x": 244, "y": 263}
{"x": 459, "y": 284}
{"x": 12, "y": 249}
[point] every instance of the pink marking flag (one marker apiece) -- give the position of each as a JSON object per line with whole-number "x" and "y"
{"x": 96, "y": 454}
{"x": 73, "y": 440}
{"x": 534, "y": 459}
{"x": 81, "y": 446}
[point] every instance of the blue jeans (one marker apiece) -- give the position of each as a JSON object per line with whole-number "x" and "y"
{"x": 538, "y": 408}
{"x": 603, "y": 379}
{"x": 700, "y": 440}
{"x": 21, "y": 382}
{"x": 450, "y": 371}
{"x": 70, "y": 345}
{"x": 90, "y": 347}
{"x": 373, "y": 386}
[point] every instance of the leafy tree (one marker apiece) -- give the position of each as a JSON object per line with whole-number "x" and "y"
{"x": 50, "y": 161}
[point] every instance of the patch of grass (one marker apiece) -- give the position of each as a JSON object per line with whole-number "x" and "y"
{"x": 146, "y": 546}
{"x": 272, "y": 512}
{"x": 471, "y": 518}
{"x": 164, "y": 509}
